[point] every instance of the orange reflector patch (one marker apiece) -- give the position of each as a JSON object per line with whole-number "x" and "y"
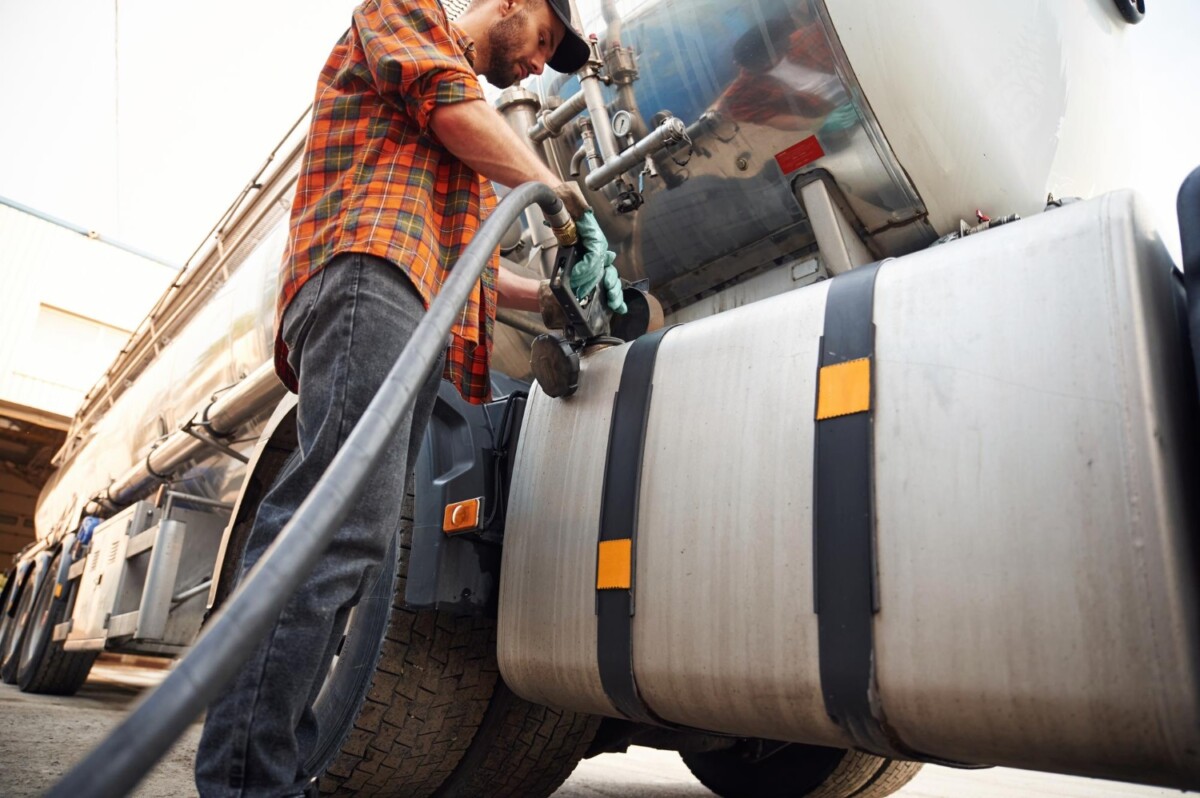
{"x": 614, "y": 565}
{"x": 844, "y": 389}
{"x": 461, "y": 516}
{"x": 58, "y": 591}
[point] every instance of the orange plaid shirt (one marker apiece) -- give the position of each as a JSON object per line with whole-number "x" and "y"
{"x": 375, "y": 180}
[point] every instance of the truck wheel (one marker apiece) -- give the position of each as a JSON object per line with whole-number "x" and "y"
{"x": 521, "y": 749}
{"x": 800, "y": 771}
{"x": 10, "y": 654}
{"x": 6, "y": 623}
{"x": 436, "y": 719}
{"x": 426, "y": 690}
{"x": 44, "y": 666}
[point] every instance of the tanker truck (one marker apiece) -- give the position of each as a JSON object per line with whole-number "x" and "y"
{"x": 899, "y": 475}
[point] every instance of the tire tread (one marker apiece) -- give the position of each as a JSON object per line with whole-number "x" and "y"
{"x": 428, "y": 695}
{"x": 56, "y": 671}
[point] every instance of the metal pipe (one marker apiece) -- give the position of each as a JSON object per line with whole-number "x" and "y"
{"x": 577, "y": 160}
{"x": 519, "y": 108}
{"x": 589, "y": 145}
{"x": 551, "y": 123}
{"x": 229, "y": 411}
{"x": 589, "y": 80}
{"x": 191, "y": 591}
{"x": 671, "y": 131}
{"x": 155, "y": 605}
{"x": 255, "y": 393}
{"x": 116, "y": 766}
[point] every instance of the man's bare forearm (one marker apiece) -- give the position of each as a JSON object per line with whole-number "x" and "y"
{"x": 479, "y": 137}
{"x": 516, "y": 292}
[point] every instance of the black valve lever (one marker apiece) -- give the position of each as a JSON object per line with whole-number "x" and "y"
{"x": 587, "y": 318}
{"x": 589, "y": 321}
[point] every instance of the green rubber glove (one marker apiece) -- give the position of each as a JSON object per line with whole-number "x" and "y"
{"x": 841, "y": 118}
{"x": 596, "y": 264}
{"x": 614, "y": 292}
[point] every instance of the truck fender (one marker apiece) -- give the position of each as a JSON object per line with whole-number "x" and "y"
{"x": 275, "y": 444}
{"x": 12, "y": 594}
{"x": 465, "y": 460}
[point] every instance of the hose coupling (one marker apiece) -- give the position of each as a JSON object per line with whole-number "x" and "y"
{"x": 566, "y": 235}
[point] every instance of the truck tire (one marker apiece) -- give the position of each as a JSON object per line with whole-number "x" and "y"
{"x": 428, "y": 686}
{"x": 10, "y": 654}
{"x": 6, "y": 623}
{"x": 437, "y": 720}
{"x": 521, "y": 749}
{"x": 44, "y": 666}
{"x": 800, "y": 771}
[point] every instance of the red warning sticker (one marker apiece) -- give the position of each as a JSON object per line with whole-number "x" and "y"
{"x": 802, "y": 153}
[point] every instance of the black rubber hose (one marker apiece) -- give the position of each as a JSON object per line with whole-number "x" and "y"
{"x": 116, "y": 766}
{"x": 1188, "y": 208}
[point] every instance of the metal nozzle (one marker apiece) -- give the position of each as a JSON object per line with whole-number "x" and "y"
{"x": 566, "y": 235}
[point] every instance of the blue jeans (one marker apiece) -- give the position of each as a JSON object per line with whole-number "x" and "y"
{"x": 344, "y": 330}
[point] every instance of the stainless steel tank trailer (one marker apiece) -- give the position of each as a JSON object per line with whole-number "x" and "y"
{"x": 905, "y": 477}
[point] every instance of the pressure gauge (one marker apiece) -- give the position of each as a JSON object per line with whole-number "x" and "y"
{"x": 622, "y": 123}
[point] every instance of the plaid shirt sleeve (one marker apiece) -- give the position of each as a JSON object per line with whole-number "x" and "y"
{"x": 412, "y": 57}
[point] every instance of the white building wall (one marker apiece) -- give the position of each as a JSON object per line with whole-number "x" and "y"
{"x": 68, "y": 303}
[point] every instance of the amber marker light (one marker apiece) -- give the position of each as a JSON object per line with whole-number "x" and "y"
{"x": 461, "y": 516}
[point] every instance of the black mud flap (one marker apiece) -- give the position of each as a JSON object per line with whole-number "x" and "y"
{"x": 467, "y": 455}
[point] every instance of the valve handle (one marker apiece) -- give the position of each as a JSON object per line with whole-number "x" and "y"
{"x": 586, "y": 318}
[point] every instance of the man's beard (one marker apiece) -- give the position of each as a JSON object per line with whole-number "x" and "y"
{"x": 504, "y": 39}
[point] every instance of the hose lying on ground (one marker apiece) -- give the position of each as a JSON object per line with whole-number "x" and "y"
{"x": 116, "y": 766}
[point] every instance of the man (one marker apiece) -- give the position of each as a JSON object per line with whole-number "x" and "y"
{"x": 393, "y": 186}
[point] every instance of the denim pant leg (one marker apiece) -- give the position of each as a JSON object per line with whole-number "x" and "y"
{"x": 345, "y": 329}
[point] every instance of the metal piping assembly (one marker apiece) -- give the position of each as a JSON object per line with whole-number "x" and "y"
{"x": 552, "y": 123}
{"x": 589, "y": 79}
{"x": 671, "y": 131}
{"x": 224, "y": 415}
{"x": 116, "y": 766}
{"x": 519, "y": 107}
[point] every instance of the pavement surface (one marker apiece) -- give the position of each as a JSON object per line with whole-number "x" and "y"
{"x": 35, "y": 730}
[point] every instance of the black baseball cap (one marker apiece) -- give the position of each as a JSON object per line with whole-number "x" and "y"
{"x": 573, "y": 50}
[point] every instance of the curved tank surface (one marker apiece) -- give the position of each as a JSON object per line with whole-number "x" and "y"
{"x": 922, "y": 112}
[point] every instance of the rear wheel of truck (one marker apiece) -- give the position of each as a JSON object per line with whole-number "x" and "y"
{"x": 426, "y": 714}
{"x": 44, "y": 667}
{"x": 521, "y": 749}
{"x": 14, "y": 633}
{"x": 6, "y": 623}
{"x": 799, "y": 771}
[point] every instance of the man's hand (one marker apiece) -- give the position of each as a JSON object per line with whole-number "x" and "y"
{"x": 576, "y": 204}
{"x": 596, "y": 265}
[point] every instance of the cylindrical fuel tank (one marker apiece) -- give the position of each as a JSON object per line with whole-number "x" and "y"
{"x": 922, "y": 111}
{"x": 1033, "y": 545}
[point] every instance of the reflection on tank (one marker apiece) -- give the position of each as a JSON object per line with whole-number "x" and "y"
{"x": 767, "y": 98}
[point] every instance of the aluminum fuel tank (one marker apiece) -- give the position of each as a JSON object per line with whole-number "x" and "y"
{"x": 923, "y": 112}
{"x": 1034, "y": 589}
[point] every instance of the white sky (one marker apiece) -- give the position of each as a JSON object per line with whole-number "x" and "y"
{"x": 142, "y": 119}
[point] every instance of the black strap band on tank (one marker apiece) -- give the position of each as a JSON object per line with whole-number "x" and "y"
{"x": 616, "y": 551}
{"x": 844, "y": 579}
{"x": 845, "y": 570}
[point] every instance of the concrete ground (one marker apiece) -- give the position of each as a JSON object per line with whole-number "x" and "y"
{"x": 34, "y": 728}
